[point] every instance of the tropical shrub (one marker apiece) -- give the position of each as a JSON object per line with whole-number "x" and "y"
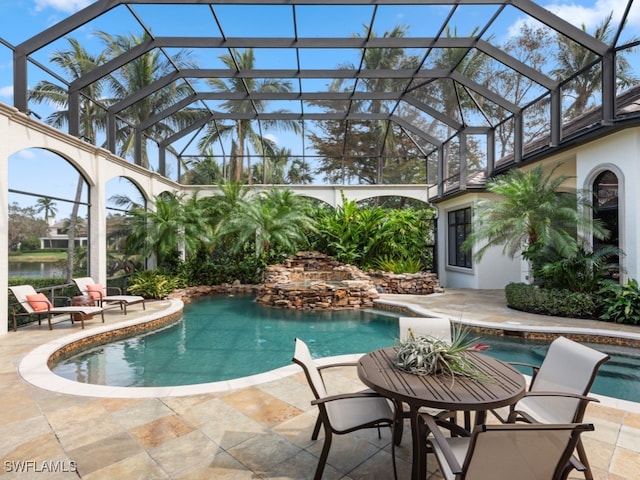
{"x": 152, "y": 284}
{"x": 399, "y": 265}
{"x": 223, "y": 266}
{"x": 557, "y": 302}
{"x": 579, "y": 271}
{"x": 620, "y": 303}
{"x": 366, "y": 236}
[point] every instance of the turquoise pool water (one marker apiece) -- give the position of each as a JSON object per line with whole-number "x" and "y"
{"x": 222, "y": 338}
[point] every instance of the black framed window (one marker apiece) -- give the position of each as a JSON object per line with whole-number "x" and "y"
{"x": 605, "y": 201}
{"x": 459, "y": 228}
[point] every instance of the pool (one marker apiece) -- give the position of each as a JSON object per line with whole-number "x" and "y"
{"x": 223, "y": 338}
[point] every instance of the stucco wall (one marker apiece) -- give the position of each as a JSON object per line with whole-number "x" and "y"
{"x": 619, "y": 153}
{"x": 493, "y": 271}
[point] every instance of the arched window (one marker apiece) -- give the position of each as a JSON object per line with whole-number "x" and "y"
{"x": 605, "y": 202}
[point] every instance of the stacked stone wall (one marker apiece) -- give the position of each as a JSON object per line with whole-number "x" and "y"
{"x": 310, "y": 280}
{"x": 313, "y": 281}
{"x": 423, "y": 283}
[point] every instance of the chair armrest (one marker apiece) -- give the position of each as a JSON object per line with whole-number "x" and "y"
{"x": 514, "y": 413}
{"x": 23, "y": 312}
{"x": 442, "y": 443}
{"x": 343, "y": 364}
{"x": 67, "y": 300}
{"x": 334, "y": 365}
{"x": 343, "y": 396}
{"x": 450, "y": 423}
{"x": 560, "y": 394}
{"x": 116, "y": 290}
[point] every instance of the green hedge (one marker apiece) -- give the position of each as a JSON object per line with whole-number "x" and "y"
{"x": 561, "y": 303}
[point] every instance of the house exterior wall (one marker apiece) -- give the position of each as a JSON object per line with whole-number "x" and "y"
{"x": 618, "y": 152}
{"x": 493, "y": 271}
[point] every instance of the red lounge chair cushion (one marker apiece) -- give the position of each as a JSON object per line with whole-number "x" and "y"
{"x": 39, "y": 302}
{"x": 96, "y": 291}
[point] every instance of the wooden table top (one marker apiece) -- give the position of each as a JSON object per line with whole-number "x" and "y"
{"x": 378, "y": 371}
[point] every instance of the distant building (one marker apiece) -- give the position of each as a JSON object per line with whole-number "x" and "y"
{"x": 58, "y": 236}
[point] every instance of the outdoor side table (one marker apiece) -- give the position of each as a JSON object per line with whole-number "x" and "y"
{"x": 82, "y": 301}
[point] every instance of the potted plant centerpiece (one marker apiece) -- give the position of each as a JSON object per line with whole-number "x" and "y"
{"x": 427, "y": 355}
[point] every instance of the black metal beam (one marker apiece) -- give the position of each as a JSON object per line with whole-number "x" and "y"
{"x": 561, "y": 26}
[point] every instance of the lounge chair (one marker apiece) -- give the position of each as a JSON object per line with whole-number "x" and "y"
{"x": 341, "y": 414}
{"x": 97, "y": 292}
{"x": 506, "y": 452}
{"x": 558, "y": 389}
{"x": 34, "y": 303}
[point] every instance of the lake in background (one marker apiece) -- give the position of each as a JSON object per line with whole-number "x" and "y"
{"x": 35, "y": 269}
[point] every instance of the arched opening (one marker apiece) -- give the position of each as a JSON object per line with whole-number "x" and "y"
{"x": 606, "y": 209}
{"x": 48, "y": 216}
{"x": 121, "y": 195}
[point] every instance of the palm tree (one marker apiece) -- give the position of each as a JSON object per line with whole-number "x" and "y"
{"x": 300, "y": 172}
{"x": 380, "y": 59}
{"x": 573, "y": 57}
{"x": 276, "y": 218}
{"x": 172, "y": 225}
{"x": 203, "y": 170}
{"x": 48, "y": 206}
{"x": 242, "y": 132}
{"x": 529, "y": 214}
{"x": 75, "y": 62}
{"x": 140, "y": 73}
{"x": 272, "y": 169}
{"x": 453, "y": 98}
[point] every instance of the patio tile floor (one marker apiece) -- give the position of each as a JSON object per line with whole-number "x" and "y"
{"x": 261, "y": 431}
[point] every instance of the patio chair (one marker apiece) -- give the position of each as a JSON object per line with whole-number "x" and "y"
{"x": 507, "y": 451}
{"x": 558, "y": 389}
{"x": 100, "y": 295}
{"x": 342, "y": 413}
{"x": 34, "y": 303}
{"x": 438, "y": 327}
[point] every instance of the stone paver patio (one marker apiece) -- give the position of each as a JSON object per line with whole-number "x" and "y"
{"x": 258, "y": 431}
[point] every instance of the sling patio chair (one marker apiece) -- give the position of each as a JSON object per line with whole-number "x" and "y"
{"x": 440, "y": 328}
{"x": 559, "y": 388}
{"x": 507, "y": 451}
{"x": 100, "y": 295}
{"x": 342, "y": 413}
{"x": 34, "y": 303}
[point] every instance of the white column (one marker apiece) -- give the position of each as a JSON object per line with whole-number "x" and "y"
{"x": 98, "y": 222}
{"x": 4, "y": 235}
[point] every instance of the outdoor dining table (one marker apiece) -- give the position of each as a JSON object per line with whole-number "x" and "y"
{"x": 504, "y": 386}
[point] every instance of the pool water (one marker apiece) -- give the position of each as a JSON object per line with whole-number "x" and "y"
{"x": 222, "y": 338}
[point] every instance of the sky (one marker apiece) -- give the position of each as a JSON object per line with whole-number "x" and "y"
{"x": 21, "y": 19}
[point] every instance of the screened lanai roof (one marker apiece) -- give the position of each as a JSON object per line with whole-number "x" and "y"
{"x": 409, "y": 91}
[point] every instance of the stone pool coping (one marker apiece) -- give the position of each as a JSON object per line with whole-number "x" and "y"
{"x": 35, "y": 366}
{"x": 522, "y": 329}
